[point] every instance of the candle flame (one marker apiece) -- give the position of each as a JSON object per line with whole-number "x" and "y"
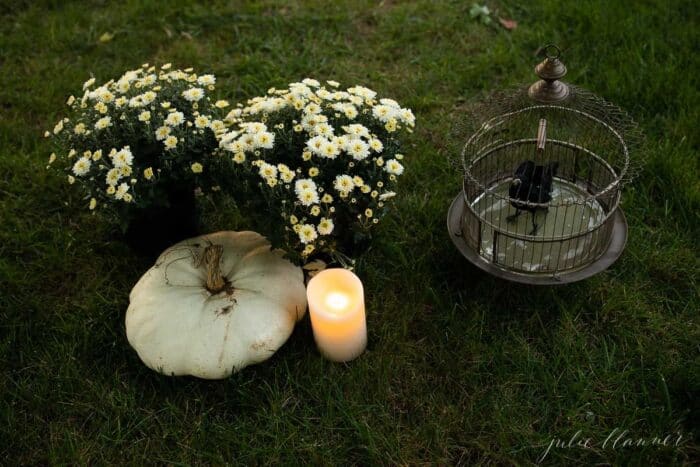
{"x": 337, "y": 301}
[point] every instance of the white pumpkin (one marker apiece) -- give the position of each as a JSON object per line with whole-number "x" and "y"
{"x": 214, "y": 304}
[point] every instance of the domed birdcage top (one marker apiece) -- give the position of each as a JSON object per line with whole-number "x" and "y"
{"x": 556, "y": 153}
{"x": 552, "y": 113}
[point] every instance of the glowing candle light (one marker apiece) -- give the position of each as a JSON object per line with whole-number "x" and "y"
{"x": 337, "y": 310}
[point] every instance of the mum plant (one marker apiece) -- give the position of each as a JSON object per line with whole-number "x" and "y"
{"x": 322, "y": 164}
{"x": 139, "y": 146}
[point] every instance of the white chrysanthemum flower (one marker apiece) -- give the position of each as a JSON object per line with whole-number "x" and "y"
{"x": 376, "y": 145}
{"x": 123, "y": 158}
{"x": 79, "y": 129}
{"x": 387, "y": 195}
{"x": 82, "y": 166}
{"x": 217, "y": 126}
{"x": 312, "y": 108}
{"x": 226, "y": 139}
{"x": 148, "y": 80}
{"x": 247, "y": 142}
{"x": 101, "y": 107}
{"x": 88, "y": 83}
{"x": 265, "y": 140}
{"x": 324, "y": 94}
{"x": 239, "y": 157}
{"x": 123, "y": 85}
{"x": 356, "y": 100}
{"x": 201, "y": 122}
{"x": 93, "y": 204}
{"x": 329, "y": 150}
{"x": 390, "y": 103}
{"x": 325, "y": 226}
{"x": 287, "y": 177}
{"x": 148, "y": 97}
{"x": 113, "y": 176}
{"x": 235, "y": 146}
{"x": 407, "y": 117}
{"x": 350, "y": 111}
{"x": 70, "y": 100}
{"x": 103, "y": 123}
{"x": 125, "y": 170}
{"x": 254, "y": 127}
{"x": 311, "y": 82}
{"x": 363, "y": 92}
{"x": 383, "y": 113}
{"x": 316, "y": 144}
{"x": 394, "y": 167}
{"x": 162, "y": 133}
{"x": 174, "y": 119}
{"x": 206, "y": 80}
{"x": 148, "y": 173}
{"x": 193, "y": 94}
{"x": 358, "y": 149}
{"x": 323, "y": 129}
{"x": 197, "y": 168}
{"x": 307, "y": 197}
{"x": 332, "y": 83}
{"x": 170, "y": 142}
{"x": 299, "y": 89}
{"x": 344, "y": 184}
{"x": 145, "y": 116}
{"x": 221, "y": 104}
{"x": 341, "y": 141}
{"x": 136, "y": 102}
{"x": 357, "y": 130}
{"x": 304, "y": 184}
{"x": 104, "y": 95}
{"x": 267, "y": 171}
{"x": 309, "y": 121}
{"x": 131, "y": 75}
{"x": 307, "y": 233}
{"x": 121, "y": 191}
{"x": 58, "y": 128}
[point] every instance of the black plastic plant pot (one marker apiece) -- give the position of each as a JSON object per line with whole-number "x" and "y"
{"x": 152, "y": 230}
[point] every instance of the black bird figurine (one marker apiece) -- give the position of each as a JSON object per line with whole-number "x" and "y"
{"x": 531, "y": 184}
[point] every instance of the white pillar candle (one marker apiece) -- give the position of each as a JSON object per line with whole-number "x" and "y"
{"x": 337, "y": 310}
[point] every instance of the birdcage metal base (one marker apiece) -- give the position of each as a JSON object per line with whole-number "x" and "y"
{"x": 618, "y": 239}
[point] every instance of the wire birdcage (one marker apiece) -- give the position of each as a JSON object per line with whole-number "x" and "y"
{"x": 544, "y": 167}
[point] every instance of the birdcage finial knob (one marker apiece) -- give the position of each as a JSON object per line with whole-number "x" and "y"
{"x": 549, "y": 89}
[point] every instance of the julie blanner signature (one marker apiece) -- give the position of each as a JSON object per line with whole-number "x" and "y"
{"x": 616, "y": 439}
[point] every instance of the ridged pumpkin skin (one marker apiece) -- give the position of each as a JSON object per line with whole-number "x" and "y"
{"x": 179, "y": 328}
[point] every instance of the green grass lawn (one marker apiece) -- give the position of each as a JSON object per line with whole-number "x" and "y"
{"x": 461, "y": 368}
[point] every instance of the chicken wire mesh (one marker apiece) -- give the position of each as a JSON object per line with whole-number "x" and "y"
{"x": 543, "y": 168}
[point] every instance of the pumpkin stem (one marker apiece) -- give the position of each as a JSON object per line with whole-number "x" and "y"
{"x": 212, "y": 258}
